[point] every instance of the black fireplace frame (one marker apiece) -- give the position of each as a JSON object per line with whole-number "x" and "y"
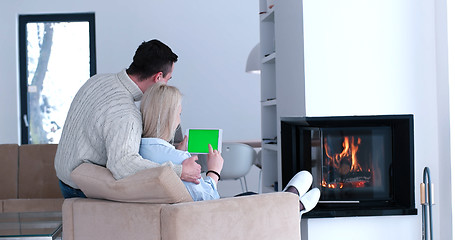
{"x": 295, "y": 157}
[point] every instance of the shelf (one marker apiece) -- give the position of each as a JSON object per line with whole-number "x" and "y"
{"x": 270, "y": 58}
{"x": 269, "y": 103}
{"x": 268, "y": 16}
{"x": 281, "y": 78}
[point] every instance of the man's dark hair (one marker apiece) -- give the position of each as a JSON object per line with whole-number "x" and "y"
{"x": 150, "y": 58}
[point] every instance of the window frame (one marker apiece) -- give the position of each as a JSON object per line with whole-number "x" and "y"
{"x": 23, "y": 75}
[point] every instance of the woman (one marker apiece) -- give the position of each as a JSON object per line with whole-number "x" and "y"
{"x": 161, "y": 108}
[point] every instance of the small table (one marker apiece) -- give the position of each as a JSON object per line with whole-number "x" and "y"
{"x": 31, "y": 225}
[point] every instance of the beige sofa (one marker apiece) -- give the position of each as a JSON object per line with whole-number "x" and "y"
{"x": 154, "y": 204}
{"x": 28, "y": 182}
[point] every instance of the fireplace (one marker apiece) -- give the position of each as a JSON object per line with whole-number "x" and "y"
{"x": 363, "y": 165}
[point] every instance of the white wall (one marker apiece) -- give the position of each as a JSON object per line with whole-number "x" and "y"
{"x": 445, "y": 162}
{"x": 383, "y": 57}
{"x": 451, "y": 60}
{"x": 212, "y": 38}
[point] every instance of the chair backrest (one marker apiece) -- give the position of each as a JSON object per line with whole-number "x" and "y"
{"x": 238, "y": 159}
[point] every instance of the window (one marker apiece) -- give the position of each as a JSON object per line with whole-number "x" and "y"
{"x": 56, "y": 57}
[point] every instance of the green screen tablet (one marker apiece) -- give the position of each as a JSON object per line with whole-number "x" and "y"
{"x": 199, "y": 139}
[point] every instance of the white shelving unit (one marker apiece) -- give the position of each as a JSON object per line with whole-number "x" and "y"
{"x": 282, "y": 80}
{"x": 268, "y": 97}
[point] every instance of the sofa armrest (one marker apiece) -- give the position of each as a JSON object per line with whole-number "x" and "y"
{"x": 85, "y": 218}
{"x": 154, "y": 185}
{"x": 67, "y": 218}
{"x": 262, "y": 216}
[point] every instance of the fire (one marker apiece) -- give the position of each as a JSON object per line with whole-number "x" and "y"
{"x": 344, "y": 169}
{"x": 346, "y": 161}
{"x": 332, "y": 185}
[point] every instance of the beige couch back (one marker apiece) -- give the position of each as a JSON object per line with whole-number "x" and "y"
{"x": 9, "y": 155}
{"x": 27, "y": 171}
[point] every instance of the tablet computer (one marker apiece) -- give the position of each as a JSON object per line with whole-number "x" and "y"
{"x": 200, "y": 138}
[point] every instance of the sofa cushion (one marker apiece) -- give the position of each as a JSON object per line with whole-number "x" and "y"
{"x": 155, "y": 185}
{"x": 8, "y": 170}
{"x": 37, "y": 177}
{"x": 262, "y": 216}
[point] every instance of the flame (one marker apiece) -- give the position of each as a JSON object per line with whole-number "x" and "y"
{"x": 332, "y": 185}
{"x": 349, "y": 152}
{"x": 355, "y": 166}
{"x": 343, "y": 163}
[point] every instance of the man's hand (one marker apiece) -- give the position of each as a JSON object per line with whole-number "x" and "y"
{"x": 191, "y": 171}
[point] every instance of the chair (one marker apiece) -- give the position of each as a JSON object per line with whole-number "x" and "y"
{"x": 238, "y": 159}
{"x": 258, "y": 164}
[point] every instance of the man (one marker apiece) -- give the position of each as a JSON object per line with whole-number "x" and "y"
{"x": 104, "y": 125}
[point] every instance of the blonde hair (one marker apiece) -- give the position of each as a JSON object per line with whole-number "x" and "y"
{"x": 159, "y": 107}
